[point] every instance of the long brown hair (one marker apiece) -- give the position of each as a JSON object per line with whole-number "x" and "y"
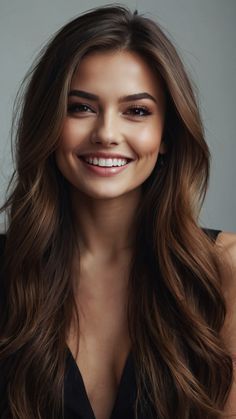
{"x": 176, "y": 308}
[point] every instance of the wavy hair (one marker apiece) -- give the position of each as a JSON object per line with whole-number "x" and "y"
{"x": 176, "y": 309}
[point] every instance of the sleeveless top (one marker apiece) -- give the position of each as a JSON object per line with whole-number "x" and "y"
{"x": 76, "y": 401}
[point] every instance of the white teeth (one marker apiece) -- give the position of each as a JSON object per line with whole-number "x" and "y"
{"x": 105, "y": 162}
{"x": 109, "y": 162}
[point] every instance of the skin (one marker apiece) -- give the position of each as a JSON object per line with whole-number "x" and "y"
{"x": 226, "y": 243}
{"x": 104, "y": 207}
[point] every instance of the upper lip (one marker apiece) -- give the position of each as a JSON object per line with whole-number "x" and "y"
{"x": 104, "y": 155}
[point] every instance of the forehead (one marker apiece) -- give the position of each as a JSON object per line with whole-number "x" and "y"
{"x": 119, "y": 71}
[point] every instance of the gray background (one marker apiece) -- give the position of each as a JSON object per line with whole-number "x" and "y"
{"x": 204, "y": 33}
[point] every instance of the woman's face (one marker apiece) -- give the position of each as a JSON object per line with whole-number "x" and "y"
{"x": 105, "y": 128}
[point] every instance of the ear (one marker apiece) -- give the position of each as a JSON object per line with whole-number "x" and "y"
{"x": 163, "y": 148}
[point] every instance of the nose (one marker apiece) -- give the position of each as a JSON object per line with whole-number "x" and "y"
{"x": 106, "y": 129}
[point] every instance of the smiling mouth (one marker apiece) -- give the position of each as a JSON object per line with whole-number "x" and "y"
{"x": 106, "y": 163}
{"x": 100, "y": 168}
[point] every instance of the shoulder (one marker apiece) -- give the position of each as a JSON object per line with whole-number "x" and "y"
{"x": 227, "y": 240}
{"x": 226, "y": 243}
{"x": 226, "y": 246}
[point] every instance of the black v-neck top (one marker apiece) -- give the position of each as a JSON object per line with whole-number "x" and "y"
{"x": 76, "y": 401}
{"x": 77, "y": 404}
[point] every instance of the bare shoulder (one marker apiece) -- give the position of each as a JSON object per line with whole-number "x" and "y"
{"x": 226, "y": 243}
{"x": 226, "y": 246}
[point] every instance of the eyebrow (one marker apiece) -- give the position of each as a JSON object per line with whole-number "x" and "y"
{"x": 129, "y": 98}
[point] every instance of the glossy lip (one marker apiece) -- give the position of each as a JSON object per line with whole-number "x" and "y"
{"x": 103, "y": 171}
{"x": 104, "y": 155}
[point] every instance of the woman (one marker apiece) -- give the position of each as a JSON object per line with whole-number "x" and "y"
{"x": 113, "y": 298}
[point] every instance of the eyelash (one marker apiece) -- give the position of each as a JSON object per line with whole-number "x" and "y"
{"x": 72, "y": 109}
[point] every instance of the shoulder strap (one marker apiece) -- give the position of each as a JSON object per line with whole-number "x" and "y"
{"x": 2, "y": 244}
{"x": 2, "y": 240}
{"x": 211, "y": 233}
{"x": 2, "y": 288}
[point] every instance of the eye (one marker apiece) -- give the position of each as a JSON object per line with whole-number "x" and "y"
{"x": 139, "y": 111}
{"x": 136, "y": 110}
{"x": 78, "y": 108}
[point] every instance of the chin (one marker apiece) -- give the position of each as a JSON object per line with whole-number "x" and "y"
{"x": 108, "y": 192}
{"x": 103, "y": 195}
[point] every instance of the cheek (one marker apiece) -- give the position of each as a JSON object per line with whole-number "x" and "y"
{"x": 147, "y": 141}
{"x": 71, "y": 135}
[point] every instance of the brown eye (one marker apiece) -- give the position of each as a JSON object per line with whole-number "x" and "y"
{"x": 77, "y": 108}
{"x": 139, "y": 111}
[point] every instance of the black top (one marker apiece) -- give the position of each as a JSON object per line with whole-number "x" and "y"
{"x": 77, "y": 405}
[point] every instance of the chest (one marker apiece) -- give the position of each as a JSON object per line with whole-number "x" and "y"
{"x": 101, "y": 371}
{"x": 104, "y": 343}
{"x": 100, "y": 385}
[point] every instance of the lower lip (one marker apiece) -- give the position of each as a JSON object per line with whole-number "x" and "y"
{"x": 104, "y": 171}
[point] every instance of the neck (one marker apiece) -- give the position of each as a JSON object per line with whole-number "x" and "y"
{"x": 105, "y": 226}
